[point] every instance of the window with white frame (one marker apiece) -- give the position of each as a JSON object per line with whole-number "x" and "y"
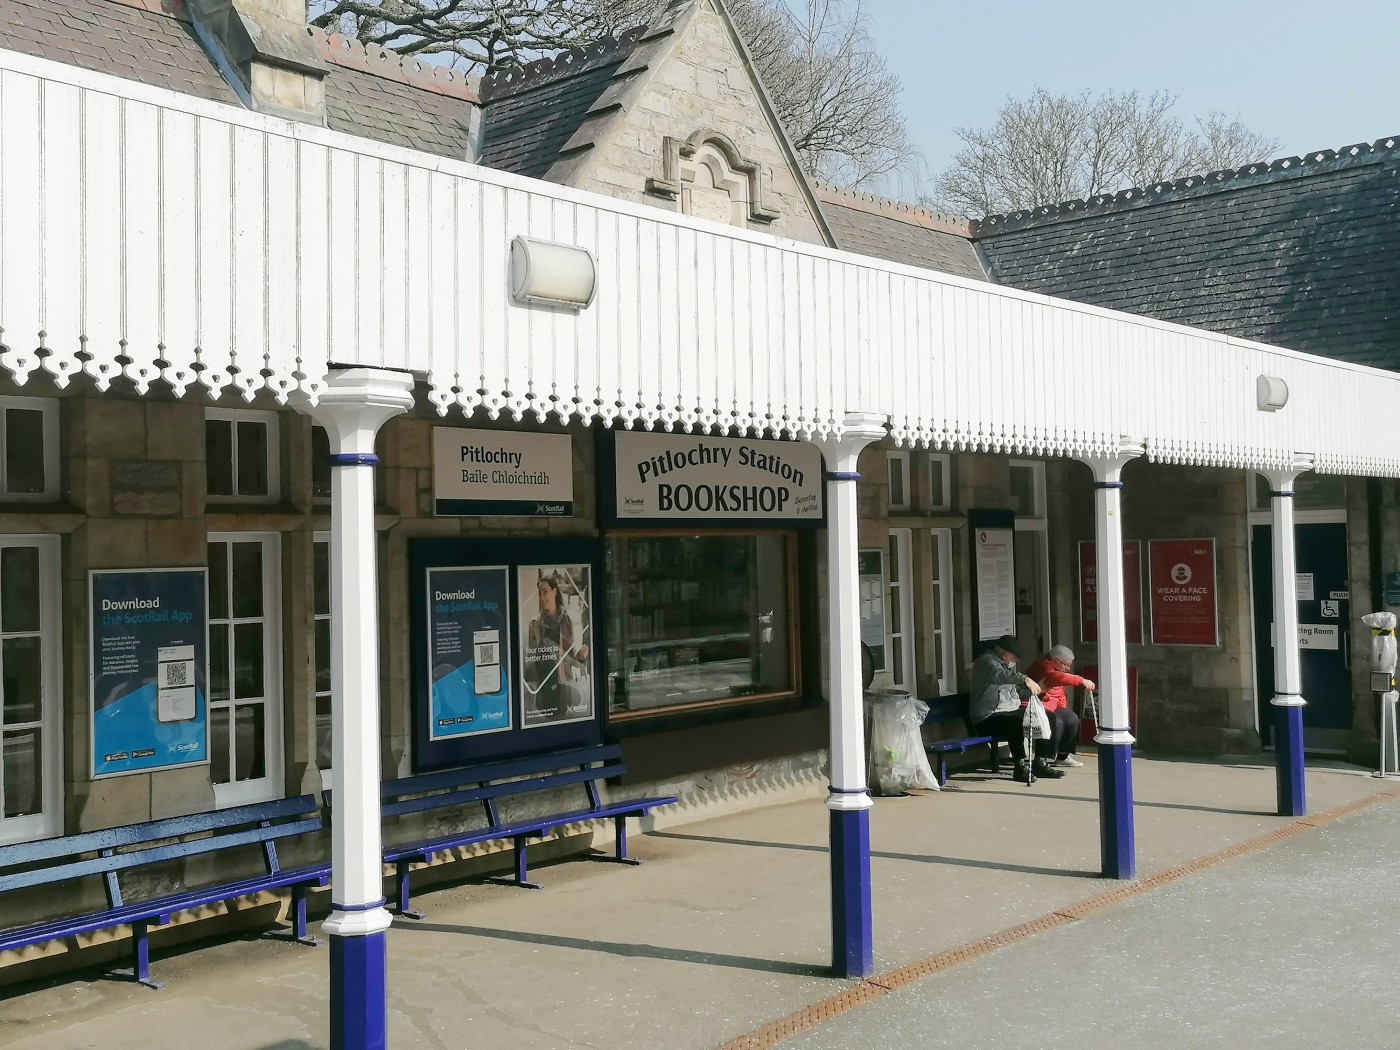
{"x": 899, "y": 624}
{"x": 320, "y": 465}
{"x": 898, "y": 474}
{"x": 240, "y": 456}
{"x": 245, "y": 653}
{"x": 1028, "y": 488}
{"x": 940, "y": 488}
{"x": 321, "y": 614}
{"x": 30, "y": 654}
{"x": 28, "y": 448}
{"x": 939, "y": 653}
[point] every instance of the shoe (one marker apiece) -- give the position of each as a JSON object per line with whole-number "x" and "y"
{"x": 1047, "y": 771}
{"x": 1069, "y": 760}
{"x": 1022, "y": 773}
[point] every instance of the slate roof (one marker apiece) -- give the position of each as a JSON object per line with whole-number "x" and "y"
{"x": 1300, "y": 252}
{"x": 152, "y": 43}
{"x": 901, "y": 233}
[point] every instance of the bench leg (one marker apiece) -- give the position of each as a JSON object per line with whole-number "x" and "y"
{"x": 942, "y": 769}
{"x": 141, "y": 956}
{"x": 619, "y": 855}
{"x": 403, "y": 894}
{"x": 299, "y": 918}
{"x": 522, "y": 868}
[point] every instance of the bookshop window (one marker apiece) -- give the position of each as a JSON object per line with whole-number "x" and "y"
{"x": 699, "y": 620}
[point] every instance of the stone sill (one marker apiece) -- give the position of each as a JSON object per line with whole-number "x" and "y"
{"x": 43, "y": 518}
{"x": 281, "y": 518}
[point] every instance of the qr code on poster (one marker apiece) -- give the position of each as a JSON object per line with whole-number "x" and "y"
{"x": 175, "y": 674}
{"x": 486, "y": 654}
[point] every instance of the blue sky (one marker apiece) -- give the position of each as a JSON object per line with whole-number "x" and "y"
{"x": 1311, "y": 75}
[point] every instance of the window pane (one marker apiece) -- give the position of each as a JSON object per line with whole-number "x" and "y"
{"x": 894, "y": 560}
{"x": 323, "y": 732}
{"x": 218, "y": 581}
{"x": 700, "y": 619}
{"x": 252, "y": 458}
{"x": 897, "y": 497}
{"x": 247, "y": 580}
{"x": 247, "y": 661}
{"x": 897, "y": 668}
{"x": 23, "y": 773}
{"x": 218, "y": 661}
{"x": 24, "y": 450}
{"x": 23, "y": 680}
{"x": 19, "y": 589}
{"x": 323, "y": 656}
{"x": 218, "y": 745}
{"x": 1023, "y": 490}
{"x": 320, "y": 463}
{"x": 895, "y": 626}
{"x": 249, "y": 750}
{"x": 321, "y": 577}
{"x": 218, "y": 457}
{"x": 937, "y": 491}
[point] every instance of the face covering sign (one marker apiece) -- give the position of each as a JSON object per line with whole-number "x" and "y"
{"x": 468, "y": 633}
{"x": 685, "y": 477}
{"x": 149, "y": 670}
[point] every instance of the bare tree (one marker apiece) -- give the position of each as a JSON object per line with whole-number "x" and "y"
{"x": 831, "y": 89}
{"x": 1051, "y": 148}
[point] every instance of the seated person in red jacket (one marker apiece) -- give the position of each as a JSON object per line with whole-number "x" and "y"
{"x": 1053, "y": 673}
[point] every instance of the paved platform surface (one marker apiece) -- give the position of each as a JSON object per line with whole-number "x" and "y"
{"x": 722, "y": 932}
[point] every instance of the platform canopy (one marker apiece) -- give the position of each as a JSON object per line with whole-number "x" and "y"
{"x": 149, "y": 235}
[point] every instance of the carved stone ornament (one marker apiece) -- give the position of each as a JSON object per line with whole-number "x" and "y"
{"x": 730, "y": 172}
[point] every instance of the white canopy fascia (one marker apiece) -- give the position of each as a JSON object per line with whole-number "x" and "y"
{"x": 159, "y": 237}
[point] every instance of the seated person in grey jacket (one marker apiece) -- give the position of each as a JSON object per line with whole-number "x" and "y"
{"x": 995, "y": 707}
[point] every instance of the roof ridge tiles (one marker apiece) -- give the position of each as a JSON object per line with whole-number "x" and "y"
{"x": 1164, "y": 190}
{"x": 903, "y": 211}
{"x": 508, "y": 82}
{"x": 349, "y": 53}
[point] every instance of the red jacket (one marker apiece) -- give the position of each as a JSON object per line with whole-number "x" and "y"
{"x": 1052, "y": 683}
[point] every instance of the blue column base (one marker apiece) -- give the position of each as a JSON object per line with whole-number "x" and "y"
{"x": 359, "y": 993}
{"x": 852, "y": 935}
{"x": 1117, "y": 845}
{"x": 1288, "y": 761}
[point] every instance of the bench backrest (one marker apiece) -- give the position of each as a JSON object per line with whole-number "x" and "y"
{"x": 949, "y": 709}
{"x": 48, "y": 861}
{"x": 494, "y": 780}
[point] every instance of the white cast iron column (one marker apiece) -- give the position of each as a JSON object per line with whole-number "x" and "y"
{"x": 355, "y": 404}
{"x": 853, "y": 953}
{"x": 1117, "y": 850}
{"x": 1288, "y": 699}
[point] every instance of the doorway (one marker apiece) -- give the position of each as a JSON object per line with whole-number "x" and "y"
{"x": 1324, "y": 609}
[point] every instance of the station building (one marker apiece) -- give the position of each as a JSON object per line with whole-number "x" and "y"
{"x": 227, "y": 219}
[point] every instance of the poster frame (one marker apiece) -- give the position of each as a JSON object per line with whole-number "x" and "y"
{"x": 989, "y": 520}
{"x": 878, "y": 655}
{"x": 504, "y": 646}
{"x": 594, "y": 714}
{"x": 93, "y": 574}
{"x": 1214, "y": 592}
{"x": 1141, "y": 610}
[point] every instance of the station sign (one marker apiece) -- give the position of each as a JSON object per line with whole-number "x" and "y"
{"x": 493, "y": 473}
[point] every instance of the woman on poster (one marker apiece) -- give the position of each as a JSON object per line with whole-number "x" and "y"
{"x": 552, "y": 660}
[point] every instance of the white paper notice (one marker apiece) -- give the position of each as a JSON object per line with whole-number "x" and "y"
{"x": 1319, "y": 636}
{"x": 1305, "y": 586}
{"x": 996, "y": 583}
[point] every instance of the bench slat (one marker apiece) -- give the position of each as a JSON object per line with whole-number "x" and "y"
{"x": 423, "y": 804}
{"x": 508, "y": 769}
{"x": 154, "y": 854}
{"x": 153, "y": 830}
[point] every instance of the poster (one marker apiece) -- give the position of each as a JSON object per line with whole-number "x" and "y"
{"x": 555, "y": 607}
{"x": 686, "y": 477}
{"x": 149, "y": 668}
{"x": 468, "y": 631}
{"x": 1181, "y": 577}
{"x": 871, "y": 581}
{"x": 492, "y": 472}
{"x": 996, "y": 582}
{"x": 1089, "y": 591}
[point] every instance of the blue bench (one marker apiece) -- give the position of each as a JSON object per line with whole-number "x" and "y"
{"x": 488, "y": 784}
{"x": 954, "y": 709}
{"x": 113, "y": 851}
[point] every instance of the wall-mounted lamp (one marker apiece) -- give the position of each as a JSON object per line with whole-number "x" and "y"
{"x": 1272, "y": 393}
{"x": 556, "y": 274}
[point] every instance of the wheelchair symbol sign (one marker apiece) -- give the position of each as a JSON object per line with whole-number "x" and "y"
{"x": 1330, "y": 609}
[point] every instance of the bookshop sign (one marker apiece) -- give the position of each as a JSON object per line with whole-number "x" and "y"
{"x": 698, "y": 478}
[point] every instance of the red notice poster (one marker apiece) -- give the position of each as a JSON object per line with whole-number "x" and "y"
{"x": 1089, "y": 591}
{"x": 1181, "y": 576}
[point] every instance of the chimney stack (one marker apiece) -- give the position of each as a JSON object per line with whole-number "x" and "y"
{"x": 266, "y": 54}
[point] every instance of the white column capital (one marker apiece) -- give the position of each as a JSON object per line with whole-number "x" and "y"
{"x": 858, "y": 430}
{"x": 1108, "y": 469}
{"x": 1282, "y": 479}
{"x": 355, "y": 403}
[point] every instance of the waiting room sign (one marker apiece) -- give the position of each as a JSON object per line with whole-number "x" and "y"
{"x": 1181, "y": 576}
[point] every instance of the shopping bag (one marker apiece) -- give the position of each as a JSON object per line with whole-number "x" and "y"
{"x": 1036, "y": 718}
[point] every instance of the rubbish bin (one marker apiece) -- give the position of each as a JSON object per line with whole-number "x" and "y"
{"x": 897, "y": 761}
